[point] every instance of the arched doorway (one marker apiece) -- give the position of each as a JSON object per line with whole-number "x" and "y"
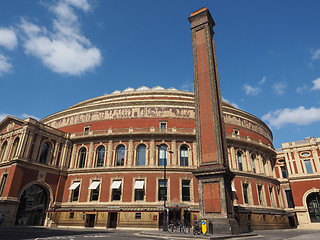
{"x": 32, "y": 206}
{"x": 313, "y": 203}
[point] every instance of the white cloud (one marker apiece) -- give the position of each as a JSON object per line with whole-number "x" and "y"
{"x": 187, "y": 86}
{"x": 5, "y": 65}
{"x": 279, "y": 88}
{"x": 297, "y": 116}
{"x": 316, "y": 84}
{"x": 249, "y": 90}
{"x": 8, "y": 38}
{"x": 233, "y": 104}
{"x": 64, "y": 50}
{"x": 315, "y": 54}
{"x": 3, "y": 116}
{"x": 24, "y": 115}
{"x": 262, "y": 81}
{"x": 302, "y": 89}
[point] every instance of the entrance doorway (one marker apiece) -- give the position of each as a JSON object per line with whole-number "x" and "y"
{"x": 90, "y": 220}
{"x": 313, "y": 203}
{"x": 113, "y": 217}
{"x": 33, "y": 204}
{"x": 174, "y": 214}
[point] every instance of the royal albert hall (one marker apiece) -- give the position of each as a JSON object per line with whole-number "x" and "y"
{"x": 121, "y": 160}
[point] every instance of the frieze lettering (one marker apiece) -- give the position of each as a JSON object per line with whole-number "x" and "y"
{"x": 123, "y": 113}
{"x": 247, "y": 124}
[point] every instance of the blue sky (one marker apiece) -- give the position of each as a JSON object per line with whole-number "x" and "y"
{"x": 54, "y": 54}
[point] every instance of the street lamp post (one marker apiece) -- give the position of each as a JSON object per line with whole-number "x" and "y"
{"x": 165, "y": 181}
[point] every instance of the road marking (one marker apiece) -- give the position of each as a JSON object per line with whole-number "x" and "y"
{"x": 73, "y": 237}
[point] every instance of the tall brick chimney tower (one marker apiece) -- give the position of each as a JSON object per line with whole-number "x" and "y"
{"x": 213, "y": 173}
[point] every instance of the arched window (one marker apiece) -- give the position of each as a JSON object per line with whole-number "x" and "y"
{"x": 120, "y": 155}
{"x": 162, "y": 155}
{"x": 253, "y": 159}
{"x": 3, "y": 150}
{"x": 141, "y": 155}
{"x": 184, "y": 156}
{"x": 14, "y": 148}
{"x": 82, "y": 157}
{"x": 100, "y": 156}
{"x": 239, "y": 156}
{"x": 44, "y": 153}
{"x": 313, "y": 203}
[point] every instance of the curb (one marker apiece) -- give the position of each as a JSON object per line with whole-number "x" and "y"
{"x": 189, "y": 236}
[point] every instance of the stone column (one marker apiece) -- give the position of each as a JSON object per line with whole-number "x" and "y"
{"x": 174, "y": 154}
{"x": 298, "y": 161}
{"x": 28, "y": 145}
{"x": 91, "y": 160}
{"x": 22, "y": 143}
{"x": 109, "y": 154}
{"x": 130, "y": 152}
{"x": 213, "y": 173}
{"x": 56, "y": 153}
{"x": 315, "y": 157}
{"x": 36, "y": 148}
{"x": 73, "y": 156}
{"x": 248, "y": 162}
{"x": 152, "y": 152}
{"x": 195, "y": 154}
{"x": 8, "y": 150}
{"x": 63, "y": 158}
{"x": 233, "y": 158}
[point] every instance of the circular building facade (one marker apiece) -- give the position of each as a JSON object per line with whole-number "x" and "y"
{"x": 133, "y": 154}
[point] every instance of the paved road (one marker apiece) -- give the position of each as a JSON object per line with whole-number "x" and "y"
{"x": 286, "y": 234}
{"x": 42, "y": 233}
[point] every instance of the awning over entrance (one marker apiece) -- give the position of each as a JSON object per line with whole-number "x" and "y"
{"x": 107, "y": 209}
{"x": 139, "y": 184}
{"x": 94, "y": 185}
{"x": 74, "y": 185}
{"x": 116, "y": 209}
{"x": 116, "y": 184}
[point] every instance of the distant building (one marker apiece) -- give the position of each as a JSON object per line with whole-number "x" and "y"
{"x": 101, "y": 163}
{"x": 298, "y": 169}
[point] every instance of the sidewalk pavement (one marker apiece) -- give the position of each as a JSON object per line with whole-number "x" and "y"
{"x": 191, "y": 236}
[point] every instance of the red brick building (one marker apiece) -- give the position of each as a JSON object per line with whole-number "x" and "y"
{"x": 298, "y": 169}
{"x": 101, "y": 163}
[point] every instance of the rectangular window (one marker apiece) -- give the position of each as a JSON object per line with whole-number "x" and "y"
{"x": 138, "y": 215}
{"x": 308, "y": 166}
{"x": 260, "y": 194}
{"x": 116, "y": 190}
{"x": 162, "y": 191}
{"x": 139, "y": 190}
{"x": 185, "y": 190}
{"x": 3, "y": 183}
{"x": 284, "y": 172}
{"x": 245, "y": 192}
{"x": 95, "y": 189}
{"x": 289, "y": 199}
{"x": 75, "y": 187}
{"x": 86, "y": 130}
{"x": 71, "y": 215}
{"x": 163, "y": 126}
